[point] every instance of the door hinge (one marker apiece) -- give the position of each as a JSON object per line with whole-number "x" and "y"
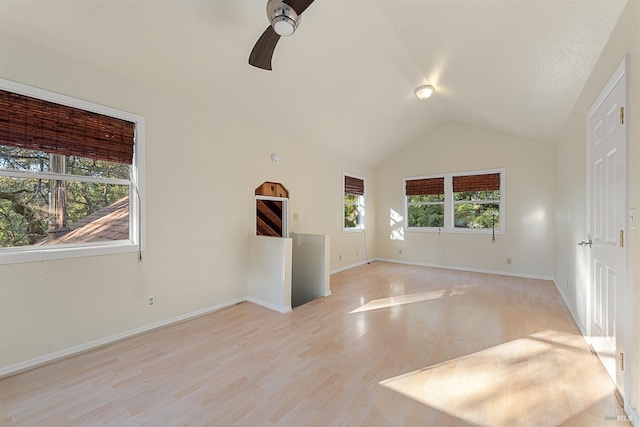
{"x": 621, "y": 115}
{"x": 622, "y": 238}
{"x": 622, "y": 361}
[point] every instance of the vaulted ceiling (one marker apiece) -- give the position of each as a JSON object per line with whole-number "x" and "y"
{"x": 345, "y": 79}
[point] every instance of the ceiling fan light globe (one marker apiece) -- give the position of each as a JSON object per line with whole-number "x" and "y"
{"x": 283, "y": 18}
{"x": 424, "y": 92}
{"x": 283, "y": 25}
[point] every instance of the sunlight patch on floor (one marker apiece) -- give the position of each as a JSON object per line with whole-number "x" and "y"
{"x": 399, "y": 300}
{"x": 528, "y": 381}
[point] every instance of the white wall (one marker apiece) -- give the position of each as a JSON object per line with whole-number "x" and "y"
{"x": 202, "y": 169}
{"x": 570, "y": 274}
{"x": 528, "y": 240}
{"x": 269, "y": 272}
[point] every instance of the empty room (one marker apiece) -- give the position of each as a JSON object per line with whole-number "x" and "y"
{"x": 299, "y": 212}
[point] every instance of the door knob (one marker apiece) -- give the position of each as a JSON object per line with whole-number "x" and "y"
{"x": 583, "y": 243}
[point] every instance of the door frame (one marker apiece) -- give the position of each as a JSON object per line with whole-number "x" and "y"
{"x": 621, "y": 74}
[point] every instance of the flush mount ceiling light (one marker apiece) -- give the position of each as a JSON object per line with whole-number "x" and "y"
{"x": 424, "y": 92}
{"x": 283, "y": 18}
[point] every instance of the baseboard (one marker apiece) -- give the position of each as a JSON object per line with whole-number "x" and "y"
{"x": 471, "y": 270}
{"x": 350, "y": 266}
{"x": 632, "y": 416}
{"x": 92, "y": 345}
{"x": 576, "y": 319}
{"x": 273, "y": 307}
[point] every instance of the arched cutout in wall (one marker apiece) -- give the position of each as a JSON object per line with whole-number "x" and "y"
{"x": 272, "y": 210}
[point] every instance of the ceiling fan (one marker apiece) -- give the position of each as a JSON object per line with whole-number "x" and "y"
{"x": 284, "y": 17}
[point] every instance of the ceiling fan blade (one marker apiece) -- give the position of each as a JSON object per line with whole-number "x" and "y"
{"x": 263, "y": 50}
{"x": 299, "y": 5}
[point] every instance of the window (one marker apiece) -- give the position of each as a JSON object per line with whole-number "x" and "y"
{"x": 425, "y": 202}
{"x": 353, "y": 203}
{"x": 476, "y": 201}
{"x": 463, "y": 202}
{"x": 70, "y": 175}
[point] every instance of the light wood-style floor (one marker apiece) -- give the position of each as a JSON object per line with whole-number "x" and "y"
{"x": 394, "y": 345}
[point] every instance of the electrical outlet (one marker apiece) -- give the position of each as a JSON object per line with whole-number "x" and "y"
{"x": 357, "y": 253}
{"x": 509, "y": 260}
{"x": 400, "y": 251}
{"x": 151, "y": 301}
{"x": 295, "y": 216}
{"x": 339, "y": 257}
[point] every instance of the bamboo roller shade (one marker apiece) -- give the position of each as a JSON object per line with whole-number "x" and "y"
{"x": 36, "y": 124}
{"x": 485, "y": 182}
{"x": 353, "y": 185}
{"x": 424, "y": 186}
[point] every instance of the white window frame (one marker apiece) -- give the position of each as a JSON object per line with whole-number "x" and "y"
{"x": 137, "y": 199}
{"x": 361, "y": 205}
{"x": 449, "y": 211}
{"x": 406, "y": 203}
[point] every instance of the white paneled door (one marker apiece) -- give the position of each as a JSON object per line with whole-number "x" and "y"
{"x": 607, "y": 219}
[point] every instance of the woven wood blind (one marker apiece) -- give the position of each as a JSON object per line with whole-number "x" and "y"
{"x": 353, "y": 185}
{"x": 36, "y": 124}
{"x": 485, "y": 182}
{"x": 416, "y": 187}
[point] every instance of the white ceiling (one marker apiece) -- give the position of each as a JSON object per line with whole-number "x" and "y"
{"x": 345, "y": 79}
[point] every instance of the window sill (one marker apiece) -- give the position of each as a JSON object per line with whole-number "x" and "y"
{"x": 481, "y": 231}
{"x": 53, "y": 253}
{"x": 352, "y": 230}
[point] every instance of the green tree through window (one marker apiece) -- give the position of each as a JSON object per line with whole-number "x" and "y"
{"x": 479, "y": 209}
{"x": 24, "y": 201}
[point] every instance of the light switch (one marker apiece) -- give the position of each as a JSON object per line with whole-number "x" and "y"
{"x": 632, "y": 218}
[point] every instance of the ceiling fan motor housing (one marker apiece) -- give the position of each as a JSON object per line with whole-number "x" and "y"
{"x": 282, "y": 17}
